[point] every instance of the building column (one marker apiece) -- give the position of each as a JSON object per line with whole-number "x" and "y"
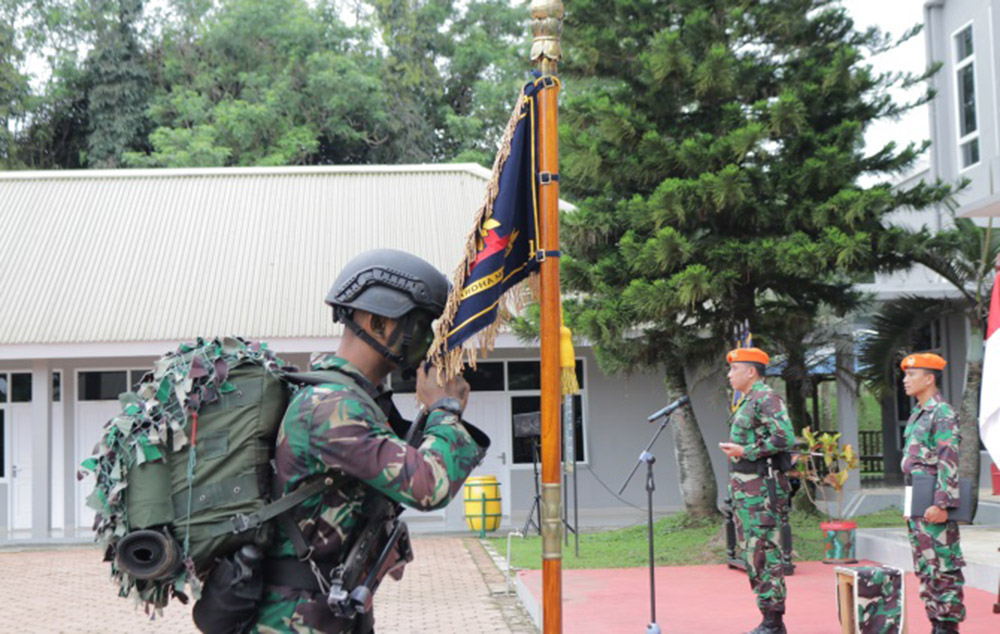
{"x": 70, "y": 465}
{"x": 41, "y": 448}
{"x": 892, "y": 454}
{"x": 847, "y": 404}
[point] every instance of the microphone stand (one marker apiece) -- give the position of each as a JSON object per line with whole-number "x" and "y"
{"x": 649, "y": 459}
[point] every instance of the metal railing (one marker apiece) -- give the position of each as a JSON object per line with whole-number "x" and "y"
{"x": 870, "y": 454}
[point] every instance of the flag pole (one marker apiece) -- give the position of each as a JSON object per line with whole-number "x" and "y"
{"x": 546, "y": 51}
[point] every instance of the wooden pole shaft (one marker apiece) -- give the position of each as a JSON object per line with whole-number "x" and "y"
{"x": 545, "y": 53}
{"x": 551, "y": 369}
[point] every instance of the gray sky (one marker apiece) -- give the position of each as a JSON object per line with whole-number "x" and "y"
{"x": 895, "y": 17}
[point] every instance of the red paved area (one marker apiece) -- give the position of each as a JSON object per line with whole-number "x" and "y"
{"x": 717, "y": 600}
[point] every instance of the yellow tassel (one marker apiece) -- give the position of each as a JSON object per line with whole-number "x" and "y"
{"x": 567, "y": 361}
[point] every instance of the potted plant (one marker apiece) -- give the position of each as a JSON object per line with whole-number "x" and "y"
{"x": 828, "y": 465}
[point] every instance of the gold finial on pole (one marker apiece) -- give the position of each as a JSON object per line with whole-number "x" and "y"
{"x": 546, "y": 26}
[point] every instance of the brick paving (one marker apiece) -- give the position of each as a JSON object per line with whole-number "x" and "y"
{"x": 451, "y": 587}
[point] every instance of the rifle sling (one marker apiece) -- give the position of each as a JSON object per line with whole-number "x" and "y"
{"x": 285, "y": 519}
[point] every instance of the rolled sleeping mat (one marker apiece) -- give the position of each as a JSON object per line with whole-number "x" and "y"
{"x": 149, "y": 555}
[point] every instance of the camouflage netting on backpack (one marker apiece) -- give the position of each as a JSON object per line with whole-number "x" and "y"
{"x": 188, "y": 452}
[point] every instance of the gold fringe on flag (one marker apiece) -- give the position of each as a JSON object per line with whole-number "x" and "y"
{"x": 451, "y": 362}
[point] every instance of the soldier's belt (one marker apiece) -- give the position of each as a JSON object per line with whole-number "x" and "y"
{"x": 753, "y": 467}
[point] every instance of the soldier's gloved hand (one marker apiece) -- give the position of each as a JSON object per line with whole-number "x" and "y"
{"x": 430, "y": 390}
{"x": 935, "y": 515}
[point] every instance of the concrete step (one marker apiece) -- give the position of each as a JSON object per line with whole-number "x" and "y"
{"x": 891, "y": 546}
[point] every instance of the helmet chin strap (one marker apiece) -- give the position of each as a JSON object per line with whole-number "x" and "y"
{"x": 404, "y": 327}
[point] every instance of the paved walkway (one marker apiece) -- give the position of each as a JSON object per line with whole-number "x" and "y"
{"x": 451, "y": 587}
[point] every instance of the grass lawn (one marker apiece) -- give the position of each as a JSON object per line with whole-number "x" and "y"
{"x": 679, "y": 541}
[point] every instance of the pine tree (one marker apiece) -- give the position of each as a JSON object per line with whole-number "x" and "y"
{"x": 716, "y": 147}
{"x": 119, "y": 83}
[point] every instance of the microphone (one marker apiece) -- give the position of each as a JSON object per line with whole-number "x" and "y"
{"x": 666, "y": 411}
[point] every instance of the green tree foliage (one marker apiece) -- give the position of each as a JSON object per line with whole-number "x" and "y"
{"x": 280, "y": 82}
{"x": 264, "y": 82}
{"x": 452, "y": 74}
{"x": 92, "y": 100}
{"x": 23, "y": 32}
{"x": 119, "y": 82}
{"x": 716, "y": 146}
{"x": 58, "y": 133}
{"x": 14, "y": 89}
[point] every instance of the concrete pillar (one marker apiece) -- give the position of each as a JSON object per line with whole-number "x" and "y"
{"x": 942, "y": 150}
{"x": 41, "y": 450}
{"x": 892, "y": 454}
{"x": 70, "y": 463}
{"x": 847, "y": 404}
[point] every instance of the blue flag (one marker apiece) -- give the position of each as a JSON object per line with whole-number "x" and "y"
{"x": 503, "y": 248}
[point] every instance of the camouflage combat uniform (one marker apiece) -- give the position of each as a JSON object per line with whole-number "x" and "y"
{"x": 333, "y": 427}
{"x": 930, "y": 447}
{"x": 761, "y": 426}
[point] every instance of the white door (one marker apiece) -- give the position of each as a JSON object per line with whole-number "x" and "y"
{"x": 90, "y": 419}
{"x": 5, "y": 477}
{"x": 19, "y": 421}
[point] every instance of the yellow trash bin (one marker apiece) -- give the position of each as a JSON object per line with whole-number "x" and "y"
{"x": 482, "y": 503}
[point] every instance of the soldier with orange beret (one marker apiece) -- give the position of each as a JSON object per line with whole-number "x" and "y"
{"x": 760, "y": 431}
{"x": 930, "y": 447}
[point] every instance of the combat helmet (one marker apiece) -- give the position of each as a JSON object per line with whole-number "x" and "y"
{"x": 396, "y": 285}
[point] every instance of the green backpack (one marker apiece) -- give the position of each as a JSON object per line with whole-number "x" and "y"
{"x": 183, "y": 473}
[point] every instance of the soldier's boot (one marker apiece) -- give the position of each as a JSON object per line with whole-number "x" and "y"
{"x": 772, "y": 623}
{"x": 944, "y": 627}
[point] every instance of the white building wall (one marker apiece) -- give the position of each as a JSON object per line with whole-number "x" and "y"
{"x": 943, "y": 20}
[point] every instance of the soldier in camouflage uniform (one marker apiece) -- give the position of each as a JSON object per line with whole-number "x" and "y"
{"x": 930, "y": 447}
{"x": 759, "y": 430}
{"x": 386, "y": 300}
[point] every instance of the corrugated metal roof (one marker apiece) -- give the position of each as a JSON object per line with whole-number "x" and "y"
{"x": 142, "y": 255}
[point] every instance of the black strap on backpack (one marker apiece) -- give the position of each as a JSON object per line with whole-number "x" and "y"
{"x": 279, "y": 507}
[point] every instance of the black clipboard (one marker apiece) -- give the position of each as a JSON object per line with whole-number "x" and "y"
{"x": 922, "y": 495}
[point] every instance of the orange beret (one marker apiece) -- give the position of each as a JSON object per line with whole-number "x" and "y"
{"x": 923, "y": 361}
{"x": 748, "y": 355}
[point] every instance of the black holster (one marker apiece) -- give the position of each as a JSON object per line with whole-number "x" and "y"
{"x": 232, "y": 594}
